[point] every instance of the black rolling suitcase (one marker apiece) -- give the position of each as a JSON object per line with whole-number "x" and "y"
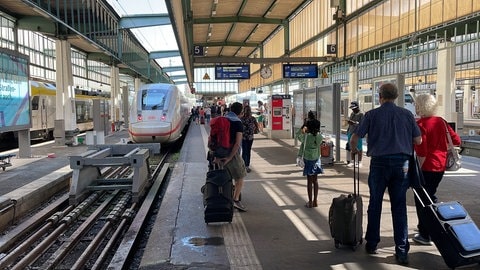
{"x": 346, "y": 216}
{"x": 218, "y": 196}
{"x": 451, "y": 228}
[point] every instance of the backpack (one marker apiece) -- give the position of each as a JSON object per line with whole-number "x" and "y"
{"x": 219, "y": 139}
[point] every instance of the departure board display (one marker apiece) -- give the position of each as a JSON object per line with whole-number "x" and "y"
{"x": 300, "y": 71}
{"x": 232, "y": 72}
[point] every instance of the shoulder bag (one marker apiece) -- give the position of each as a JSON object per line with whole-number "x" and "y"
{"x": 300, "y": 162}
{"x": 453, "y": 159}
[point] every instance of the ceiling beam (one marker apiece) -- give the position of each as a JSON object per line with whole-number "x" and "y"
{"x": 232, "y": 44}
{"x": 144, "y": 20}
{"x": 237, "y": 19}
{"x": 206, "y": 60}
{"x": 171, "y": 69}
{"x": 163, "y": 54}
{"x": 178, "y": 77}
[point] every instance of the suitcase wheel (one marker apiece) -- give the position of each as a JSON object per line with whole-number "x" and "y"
{"x": 337, "y": 244}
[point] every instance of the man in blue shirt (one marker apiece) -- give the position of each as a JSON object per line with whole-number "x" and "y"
{"x": 392, "y": 131}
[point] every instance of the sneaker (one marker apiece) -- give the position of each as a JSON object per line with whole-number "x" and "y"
{"x": 248, "y": 169}
{"x": 422, "y": 240}
{"x": 401, "y": 258}
{"x": 239, "y": 206}
{"x": 350, "y": 165}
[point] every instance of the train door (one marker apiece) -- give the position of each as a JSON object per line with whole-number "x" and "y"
{"x": 40, "y": 119}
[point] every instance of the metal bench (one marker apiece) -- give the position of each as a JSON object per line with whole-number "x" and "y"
{"x": 5, "y": 161}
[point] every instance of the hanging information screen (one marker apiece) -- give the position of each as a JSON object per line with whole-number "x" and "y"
{"x": 300, "y": 71}
{"x": 232, "y": 72}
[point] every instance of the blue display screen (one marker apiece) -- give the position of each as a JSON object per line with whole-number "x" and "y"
{"x": 300, "y": 71}
{"x": 231, "y": 72}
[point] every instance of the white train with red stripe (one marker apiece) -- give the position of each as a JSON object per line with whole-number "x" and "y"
{"x": 159, "y": 113}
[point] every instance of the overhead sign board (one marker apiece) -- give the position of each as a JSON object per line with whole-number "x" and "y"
{"x": 301, "y": 71}
{"x": 331, "y": 48}
{"x": 232, "y": 72}
{"x": 198, "y": 50}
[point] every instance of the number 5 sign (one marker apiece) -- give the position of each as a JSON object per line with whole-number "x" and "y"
{"x": 197, "y": 50}
{"x": 332, "y": 48}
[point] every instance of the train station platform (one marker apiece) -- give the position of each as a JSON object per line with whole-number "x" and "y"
{"x": 278, "y": 231}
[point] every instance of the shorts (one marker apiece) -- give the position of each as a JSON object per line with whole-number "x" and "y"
{"x": 236, "y": 167}
{"x": 359, "y": 144}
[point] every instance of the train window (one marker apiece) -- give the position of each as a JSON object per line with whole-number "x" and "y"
{"x": 408, "y": 98}
{"x": 367, "y": 99}
{"x": 35, "y": 100}
{"x": 153, "y": 99}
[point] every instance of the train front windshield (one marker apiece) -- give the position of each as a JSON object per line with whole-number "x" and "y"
{"x": 153, "y": 99}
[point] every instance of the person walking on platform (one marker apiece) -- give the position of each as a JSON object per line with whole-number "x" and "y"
{"x": 353, "y": 122}
{"x": 250, "y": 127}
{"x": 311, "y": 140}
{"x": 208, "y": 114}
{"x": 201, "y": 113}
{"x": 260, "y": 119}
{"x": 392, "y": 131}
{"x": 233, "y": 162}
{"x": 432, "y": 154}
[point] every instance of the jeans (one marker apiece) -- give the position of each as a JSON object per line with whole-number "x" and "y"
{"x": 388, "y": 171}
{"x": 246, "y": 151}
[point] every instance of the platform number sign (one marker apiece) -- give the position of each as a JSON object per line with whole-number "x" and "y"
{"x": 332, "y": 48}
{"x": 198, "y": 50}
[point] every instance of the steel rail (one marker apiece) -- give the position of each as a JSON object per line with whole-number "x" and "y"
{"x": 111, "y": 220}
{"x": 28, "y": 243}
{"x": 71, "y": 241}
{"x": 131, "y": 236}
{"x": 38, "y": 250}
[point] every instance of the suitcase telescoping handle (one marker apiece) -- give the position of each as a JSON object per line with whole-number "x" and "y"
{"x": 418, "y": 189}
{"x": 422, "y": 196}
{"x": 356, "y": 175}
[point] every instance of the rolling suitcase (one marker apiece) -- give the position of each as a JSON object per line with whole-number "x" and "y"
{"x": 451, "y": 228}
{"x": 346, "y": 216}
{"x": 218, "y": 196}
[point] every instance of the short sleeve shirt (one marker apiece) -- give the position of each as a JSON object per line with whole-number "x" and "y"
{"x": 390, "y": 130}
{"x": 235, "y": 127}
{"x": 311, "y": 143}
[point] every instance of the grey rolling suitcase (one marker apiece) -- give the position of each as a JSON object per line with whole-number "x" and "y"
{"x": 346, "y": 216}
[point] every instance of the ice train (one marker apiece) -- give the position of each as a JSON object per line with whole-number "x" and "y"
{"x": 159, "y": 113}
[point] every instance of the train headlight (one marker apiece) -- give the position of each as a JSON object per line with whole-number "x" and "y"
{"x": 139, "y": 117}
{"x": 163, "y": 117}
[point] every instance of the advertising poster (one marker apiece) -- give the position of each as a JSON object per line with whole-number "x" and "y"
{"x": 14, "y": 92}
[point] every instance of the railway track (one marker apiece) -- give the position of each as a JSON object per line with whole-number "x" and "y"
{"x": 100, "y": 232}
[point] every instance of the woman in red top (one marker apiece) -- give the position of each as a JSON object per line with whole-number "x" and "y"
{"x": 432, "y": 153}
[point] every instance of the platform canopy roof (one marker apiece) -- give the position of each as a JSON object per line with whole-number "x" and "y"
{"x": 227, "y": 31}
